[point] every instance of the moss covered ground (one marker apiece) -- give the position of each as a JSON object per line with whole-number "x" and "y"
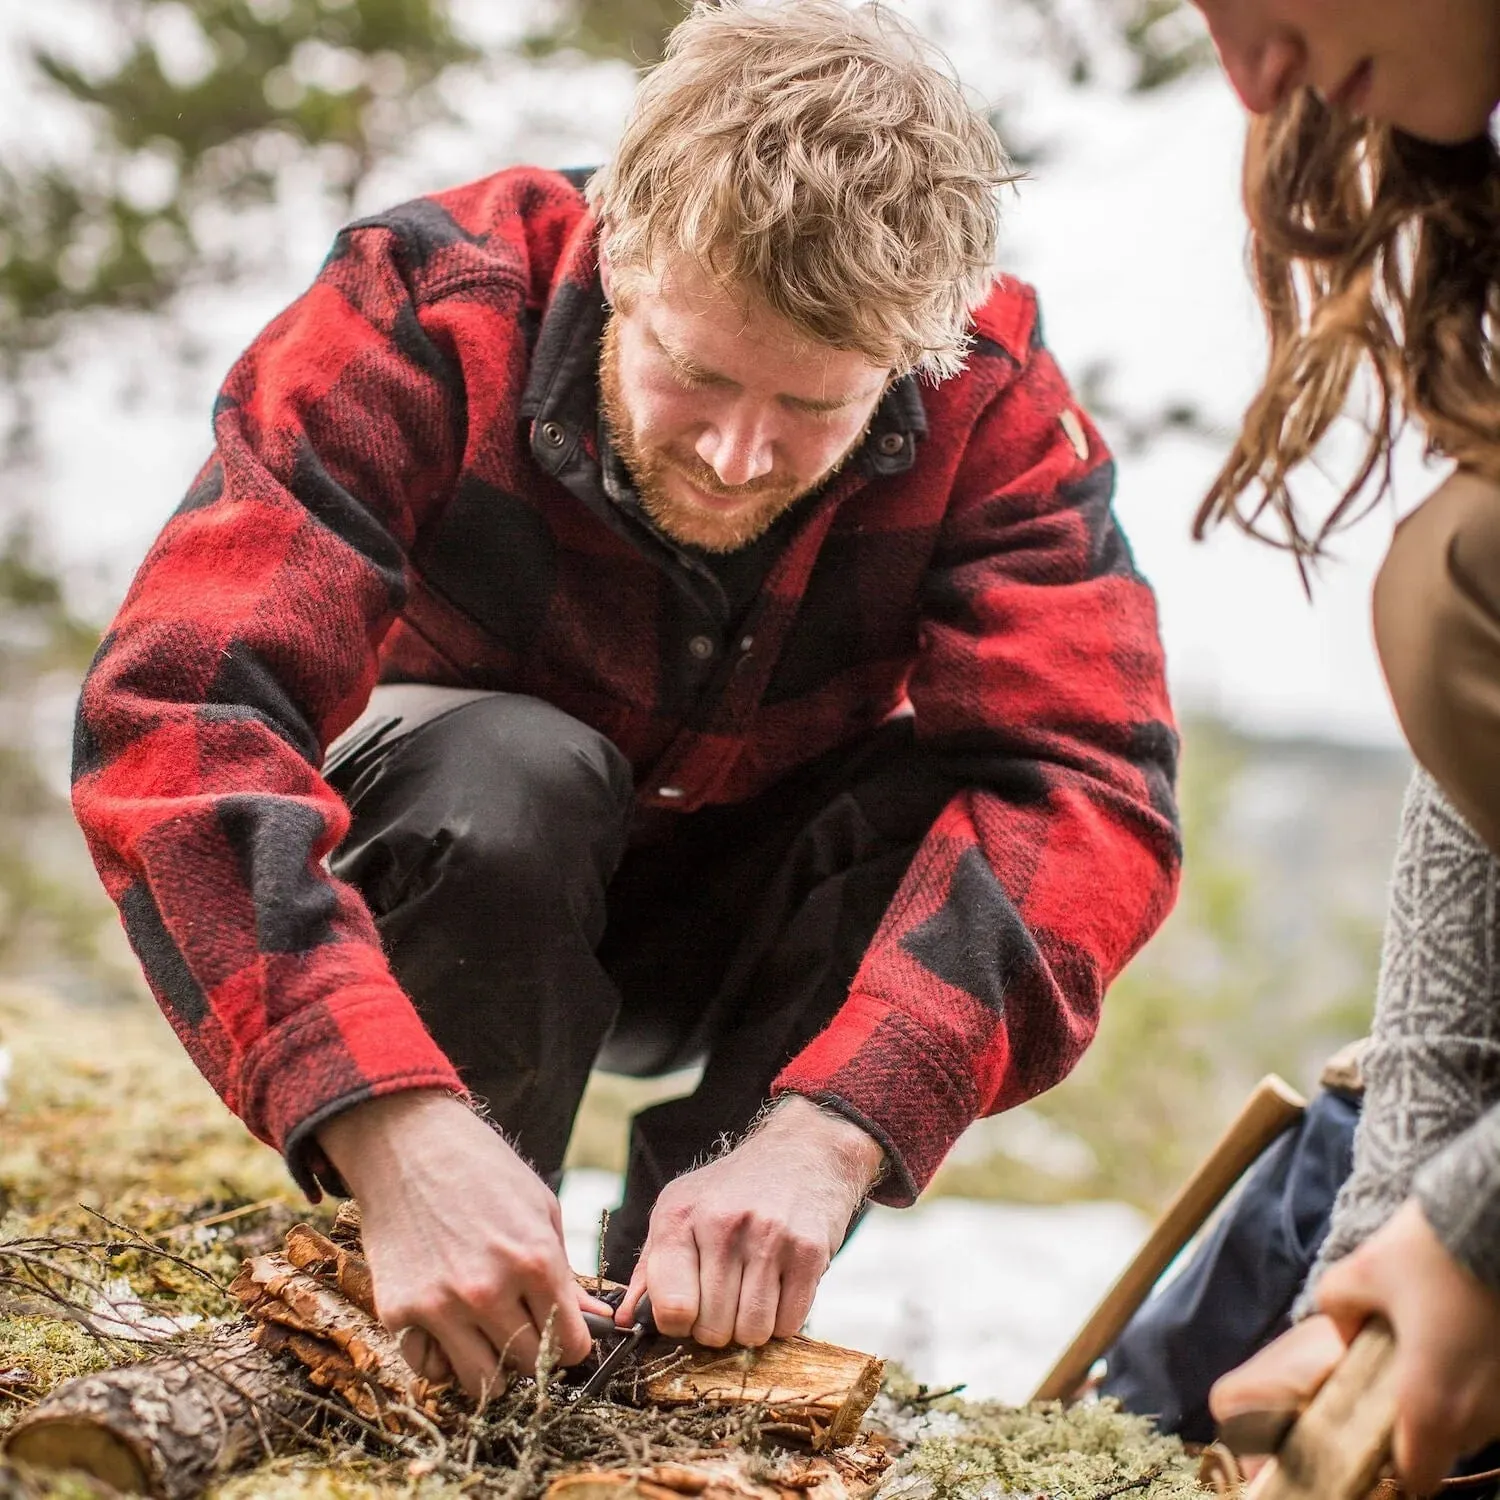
{"x": 125, "y": 1185}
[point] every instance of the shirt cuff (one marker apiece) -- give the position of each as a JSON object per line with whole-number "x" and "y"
{"x": 1459, "y": 1190}
{"x": 887, "y": 1074}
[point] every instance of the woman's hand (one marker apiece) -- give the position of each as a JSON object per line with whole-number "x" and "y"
{"x": 1447, "y": 1327}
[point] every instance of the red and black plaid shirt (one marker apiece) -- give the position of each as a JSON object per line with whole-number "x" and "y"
{"x": 406, "y": 486}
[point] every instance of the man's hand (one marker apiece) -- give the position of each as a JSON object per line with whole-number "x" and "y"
{"x": 464, "y": 1240}
{"x": 1447, "y": 1327}
{"x": 736, "y": 1249}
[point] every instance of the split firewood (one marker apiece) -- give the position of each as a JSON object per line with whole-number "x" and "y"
{"x": 815, "y": 1392}
{"x": 168, "y": 1426}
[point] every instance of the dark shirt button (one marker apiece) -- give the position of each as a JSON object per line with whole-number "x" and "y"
{"x": 890, "y": 443}
{"x": 700, "y": 647}
{"x": 552, "y": 434}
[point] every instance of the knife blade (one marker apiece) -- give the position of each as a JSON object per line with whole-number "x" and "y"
{"x": 627, "y": 1341}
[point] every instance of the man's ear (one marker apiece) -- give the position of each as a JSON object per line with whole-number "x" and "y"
{"x": 606, "y": 274}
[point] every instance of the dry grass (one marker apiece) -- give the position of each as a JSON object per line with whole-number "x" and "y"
{"x": 125, "y": 1175}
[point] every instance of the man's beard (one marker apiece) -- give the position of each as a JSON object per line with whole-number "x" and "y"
{"x": 766, "y": 498}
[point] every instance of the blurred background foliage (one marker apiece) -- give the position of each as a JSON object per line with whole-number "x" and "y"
{"x": 203, "y": 106}
{"x": 187, "y": 119}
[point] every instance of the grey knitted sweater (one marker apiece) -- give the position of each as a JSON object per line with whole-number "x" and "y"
{"x": 1431, "y": 1118}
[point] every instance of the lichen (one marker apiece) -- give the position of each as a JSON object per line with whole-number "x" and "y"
{"x": 52, "y": 1349}
{"x": 981, "y": 1450}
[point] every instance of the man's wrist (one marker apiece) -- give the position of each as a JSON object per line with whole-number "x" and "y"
{"x": 861, "y": 1157}
{"x": 353, "y": 1139}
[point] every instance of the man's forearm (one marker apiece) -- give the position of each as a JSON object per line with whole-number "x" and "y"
{"x": 368, "y": 1142}
{"x": 859, "y": 1156}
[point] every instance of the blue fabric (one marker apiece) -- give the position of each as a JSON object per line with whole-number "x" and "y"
{"x": 1237, "y": 1291}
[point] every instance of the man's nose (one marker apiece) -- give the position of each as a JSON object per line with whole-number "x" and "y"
{"x": 737, "y": 449}
{"x": 1265, "y": 68}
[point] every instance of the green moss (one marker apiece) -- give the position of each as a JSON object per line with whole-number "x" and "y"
{"x": 24, "y": 1484}
{"x": 975, "y": 1450}
{"x": 52, "y": 1349}
{"x": 298, "y": 1479}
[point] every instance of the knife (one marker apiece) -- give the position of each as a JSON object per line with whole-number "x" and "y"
{"x": 627, "y": 1340}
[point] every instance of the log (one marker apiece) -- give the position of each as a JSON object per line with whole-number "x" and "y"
{"x": 818, "y": 1392}
{"x": 166, "y": 1427}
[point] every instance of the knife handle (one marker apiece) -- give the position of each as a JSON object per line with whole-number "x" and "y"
{"x": 601, "y": 1327}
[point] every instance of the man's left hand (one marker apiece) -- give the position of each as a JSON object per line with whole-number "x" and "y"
{"x": 736, "y": 1249}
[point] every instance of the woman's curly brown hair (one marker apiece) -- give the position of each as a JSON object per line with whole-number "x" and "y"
{"x": 1369, "y": 249}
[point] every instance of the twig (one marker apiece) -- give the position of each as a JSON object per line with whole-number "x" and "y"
{"x": 139, "y": 1241}
{"x": 214, "y": 1220}
{"x": 603, "y": 1265}
{"x": 1126, "y": 1485}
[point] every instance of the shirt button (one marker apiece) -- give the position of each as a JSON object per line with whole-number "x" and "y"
{"x": 700, "y": 648}
{"x": 552, "y": 434}
{"x": 746, "y": 642}
{"x": 891, "y": 443}
{"x": 669, "y": 793}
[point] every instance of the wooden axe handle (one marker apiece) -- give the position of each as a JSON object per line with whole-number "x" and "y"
{"x": 1341, "y": 1442}
{"x": 1273, "y": 1107}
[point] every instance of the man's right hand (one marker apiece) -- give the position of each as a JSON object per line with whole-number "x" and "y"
{"x": 464, "y": 1240}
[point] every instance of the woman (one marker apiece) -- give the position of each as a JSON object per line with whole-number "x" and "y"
{"x": 1373, "y": 189}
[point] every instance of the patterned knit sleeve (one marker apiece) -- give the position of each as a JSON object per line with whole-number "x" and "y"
{"x": 1430, "y": 1124}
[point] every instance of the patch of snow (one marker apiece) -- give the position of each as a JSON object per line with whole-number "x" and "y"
{"x": 1029, "y": 1137}
{"x": 959, "y": 1292}
{"x": 116, "y": 1312}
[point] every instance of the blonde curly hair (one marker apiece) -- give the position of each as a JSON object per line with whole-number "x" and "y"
{"x": 823, "y": 158}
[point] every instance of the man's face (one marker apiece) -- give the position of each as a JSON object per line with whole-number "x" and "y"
{"x": 1428, "y": 67}
{"x": 723, "y": 413}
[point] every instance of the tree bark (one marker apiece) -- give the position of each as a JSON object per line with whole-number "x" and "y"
{"x": 166, "y": 1427}
{"x": 851, "y": 1474}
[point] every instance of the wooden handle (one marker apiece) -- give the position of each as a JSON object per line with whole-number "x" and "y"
{"x": 1343, "y": 1440}
{"x": 1273, "y": 1107}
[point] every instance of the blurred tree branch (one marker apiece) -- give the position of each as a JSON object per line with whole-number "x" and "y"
{"x": 205, "y": 104}
{"x": 1161, "y": 36}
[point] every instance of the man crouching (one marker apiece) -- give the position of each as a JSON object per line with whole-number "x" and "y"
{"x": 681, "y": 622}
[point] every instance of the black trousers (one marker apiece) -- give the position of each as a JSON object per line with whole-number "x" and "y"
{"x": 543, "y": 929}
